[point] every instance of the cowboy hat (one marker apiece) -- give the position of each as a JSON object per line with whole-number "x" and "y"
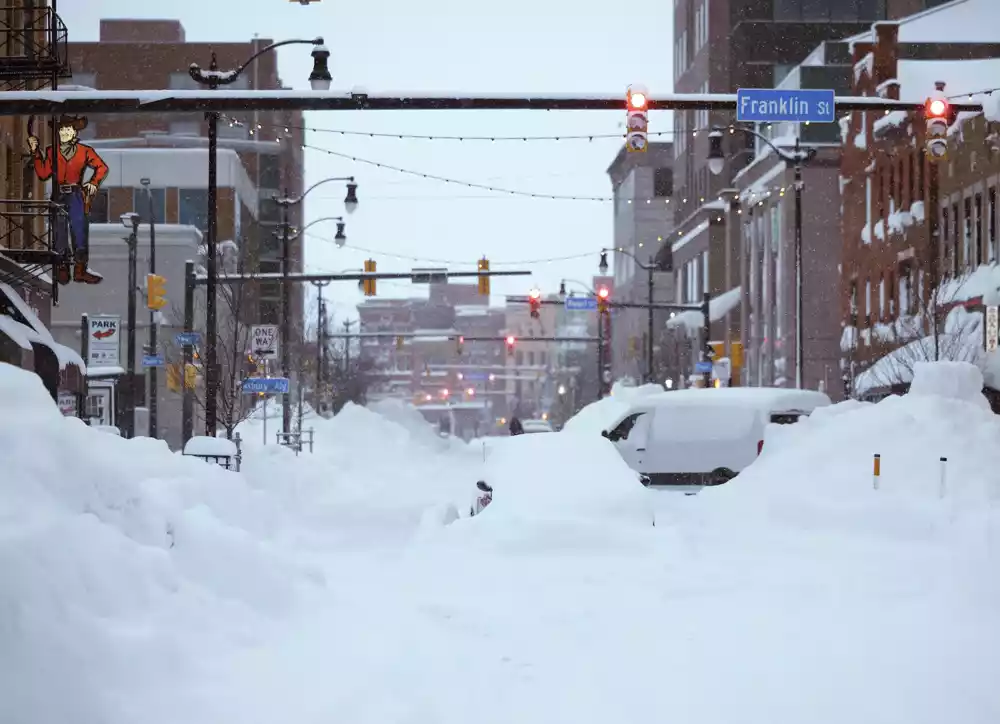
{"x": 76, "y": 122}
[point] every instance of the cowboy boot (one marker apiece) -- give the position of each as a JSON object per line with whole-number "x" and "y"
{"x": 83, "y": 273}
{"x": 62, "y": 271}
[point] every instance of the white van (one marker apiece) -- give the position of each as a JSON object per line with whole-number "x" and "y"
{"x": 700, "y": 437}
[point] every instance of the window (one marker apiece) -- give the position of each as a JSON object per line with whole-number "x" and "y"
{"x": 881, "y": 298}
{"x": 270, "y": 171}
{"x": 621, "y": 432}
{"x": 705, "y": 286}
{"x": 99, "y": 208}
{"x": 955, "y": 223}
{"x": 854, "y": 297}
{"x": 697, "y": 28}
{"x": 815, "y": 9}
{"x": 891, "y": 295}
{"x": 663, "y": 182}
{"x": 140, "y": 204}
{"x": 979, "y": 230}
{"x": 868, "y": 207}
{"x": 967, "y": 232}
{"x": 868, "y": 299}
{"x": 270, "y": 212}
{"x": 787, "y": 9}
{"x": 903, "y": 288}
{"x": 269, "y": 312}
{"x": 192, "y": 208}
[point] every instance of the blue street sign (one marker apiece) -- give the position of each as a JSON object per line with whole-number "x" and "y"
{"x": 475, "y": 376}
{"x": 267, "y": 385}
{"x": 703, "y": 367}
{"x": 188, "y": 338}
{"x": 152, "y": 360}
{"x": 580, "y": 304}
{"x": 769, "y": 105}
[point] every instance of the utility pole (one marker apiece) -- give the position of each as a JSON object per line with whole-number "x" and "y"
{"x": 649, "y": 320}
{"x": 153, "y": 376}
{"x": 320, "y": 342}
{"x": 348, "y": 323}
{"x": 706, "y": 349}
{"x": 799, "y": 317}
{"x": 132, "y": 241}
{"x": 286, "y": 313}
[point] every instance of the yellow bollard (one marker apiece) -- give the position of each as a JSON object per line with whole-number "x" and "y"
{"x": 876, "y": 470}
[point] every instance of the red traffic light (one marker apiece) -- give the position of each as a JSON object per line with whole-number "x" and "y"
{"x": 461, "y": 340}
{"x": 603, "y": 293}
{"x": 637, "y": 100}
{"x": 937, "y": 107}
{"x": 535, "y": 295}
{"x": 510, "y": 340}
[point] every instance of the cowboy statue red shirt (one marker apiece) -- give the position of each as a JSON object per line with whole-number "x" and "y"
{"x": 79, "y": 171}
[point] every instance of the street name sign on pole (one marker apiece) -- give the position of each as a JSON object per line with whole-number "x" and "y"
{"x": 580, "y": 304}
{"x": 183, "y": 338}
{"x": 703, "y": 367}
{"x": 772, "y": 105}
{"x": 475, "y": 376}
{"x": 152, "y": 360}
{"x": 264, "y": 341}
{"x": 992, "y": 328}
{"x": 265, "y": 385}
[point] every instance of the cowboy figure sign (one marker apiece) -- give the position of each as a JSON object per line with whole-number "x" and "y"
{"x": 75, "y": 192}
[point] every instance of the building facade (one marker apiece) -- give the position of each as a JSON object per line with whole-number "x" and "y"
{"x": 642, "y": 186}
{"x": 920, "y": 242}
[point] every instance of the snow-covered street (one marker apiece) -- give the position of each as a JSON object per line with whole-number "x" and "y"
{"x": 142, "y": 586}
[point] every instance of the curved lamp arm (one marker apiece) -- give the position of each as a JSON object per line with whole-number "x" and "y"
{"x": 797, "y": 155}
{"x": 642, "y": 265}
{"x": 215, "y": 77}
{"x": 288, "y": 201}
{"x": 562, "y": 286}
{"x": 341, "y": 238}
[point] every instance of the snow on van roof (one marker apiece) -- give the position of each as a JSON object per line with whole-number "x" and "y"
{"x": 755, "y": 397}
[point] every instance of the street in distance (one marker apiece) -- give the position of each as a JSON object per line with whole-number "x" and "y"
{"x": 769, "y": 105}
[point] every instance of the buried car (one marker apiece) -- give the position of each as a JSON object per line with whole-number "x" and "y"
{"x": 565, "y": 476}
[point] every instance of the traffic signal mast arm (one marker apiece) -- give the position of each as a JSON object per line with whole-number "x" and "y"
{"x": 618, "y": 305}
{"x": 452, "y": 337}
{"x": 200, "y": 279}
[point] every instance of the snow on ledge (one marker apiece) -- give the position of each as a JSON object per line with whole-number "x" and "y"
{"x": 718, "y": 308}
{"x": 206, "y": 446}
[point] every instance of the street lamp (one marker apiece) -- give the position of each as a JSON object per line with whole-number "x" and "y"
{"x": 154, "y": 383}
{"x": 796, "y": 158}
{"x": 130, "y": 221}
{"x": 319, "y": 79}
{"x": 650, "y": 269}
{"x": 340, "y": 238}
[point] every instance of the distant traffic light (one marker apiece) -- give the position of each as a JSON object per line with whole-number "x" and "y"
{"x": 637, "y": 119}
{"x": 484, "y": 279}
{"x": 190, "y": 376}
{"x": 535, "y": 300}
{"x": 369, "y": 284}
{"x": 399, "y": 343}
{"x": 602, "y": 299}
{"x": 156, "y": 291}
{"x": 510, "y": 344}
{"x": 939, "y": 116}
{"x": 460, "y": 346}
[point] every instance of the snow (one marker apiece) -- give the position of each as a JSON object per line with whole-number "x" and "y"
{"x": 592, "y": 419}
{"x": 103, "y": 371}
{"x": 692, "y": 234}
{"x": 959, "y": 21}
{"x": 718, "y": 308}
{"x": 36, "y": 332}
{"x": 141, "y": 585}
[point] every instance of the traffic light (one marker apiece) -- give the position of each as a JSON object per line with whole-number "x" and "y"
{"x": 156, "y": 291}
{"x": 535, "y": 300}
{"x": 460, "y": 346}
{"x": 939, "y": 116}
{"x": 369, "y": 284}
{"x": 484, "y": 280}
{"x": 190, "y": 376}
{"x": 510, "y": 344}
{"x": 399, "y": 343}
{"x": 637, "y": 120}
{"x": 602, "y": 299}
{"x": 174, "y": 377}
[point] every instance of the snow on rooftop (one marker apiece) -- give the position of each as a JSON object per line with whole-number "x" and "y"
{"x": 471, "y": 310}
{"x": 959, "y": 21}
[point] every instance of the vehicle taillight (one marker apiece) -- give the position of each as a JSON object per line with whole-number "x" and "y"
{"x": 760, "y": 446}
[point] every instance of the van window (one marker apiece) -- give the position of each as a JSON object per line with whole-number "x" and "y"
{"x": 624, "y": 427}
{"x": 786, "y": 418}
{"x": 703, "y": 423}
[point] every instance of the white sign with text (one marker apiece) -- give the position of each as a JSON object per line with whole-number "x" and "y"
{"x": 264, "y": 342}
{"x": 104, "y": 341}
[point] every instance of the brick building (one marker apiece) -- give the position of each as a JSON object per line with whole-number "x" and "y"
{"x": 917, "y": 237}
{"x": 273, "y": 162}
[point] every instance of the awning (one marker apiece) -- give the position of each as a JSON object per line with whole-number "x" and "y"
{"x": 718, "y": 308}
{"x": 24, "y": 328}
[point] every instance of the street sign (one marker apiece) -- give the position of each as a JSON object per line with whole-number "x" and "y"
{"x": 184, "y": 338}
{"x": 580, "y": 304}
{"x": 703, "y": 367}
{"x": 103, "y": 346}
{"x": 992, "y": 328}
{"x": 267, "y": 385}
{"x": 475, "y": 376}
{"x": 264, "y": 341}
{"x": 770, "y": 105}
{"x": 152, "y": 360}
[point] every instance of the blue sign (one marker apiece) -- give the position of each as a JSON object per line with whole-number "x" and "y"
{"x": 475, "y": 376}
{"x": 152, "y": 360}
{"x": 580, "y": 304}
{"x": 267, "y": 385}
{"x": 188, "y": 338}
{"x": 769, "y": 105}
{"x": 703, "y": 367}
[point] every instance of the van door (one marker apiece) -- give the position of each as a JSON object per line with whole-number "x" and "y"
{"x": 632, "y": 447}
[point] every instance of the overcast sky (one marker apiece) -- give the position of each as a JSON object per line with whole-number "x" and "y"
{"x": 516, "y": 46}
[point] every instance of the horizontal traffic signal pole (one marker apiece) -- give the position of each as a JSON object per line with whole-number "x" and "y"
{"x": 420, "y": 276}
{"x": 452, "y": 337}
{"x": 615, "y": 305}
{"x": 224, "y": 100}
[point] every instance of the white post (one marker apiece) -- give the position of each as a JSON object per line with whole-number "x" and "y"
{"x": 943, "y": 483}
{"x": 265, "y": 419}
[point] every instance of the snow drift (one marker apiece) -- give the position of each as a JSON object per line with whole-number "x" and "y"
{"x": 599, "y": 415}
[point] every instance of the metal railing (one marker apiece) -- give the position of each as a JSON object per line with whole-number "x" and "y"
{"x": 27, "y": 237}
{"x": 34, "y": 45}
{"x": 296, "y": 439}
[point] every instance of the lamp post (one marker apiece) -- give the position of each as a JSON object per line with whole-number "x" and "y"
{"x": 153, "y": 376}
{"x": 319, "y": 79}
{"x": 284, "y": 202}
{"x": 650, "y": 269}
{"x": 130, "y": 221}
{"x": 795, "y": 158}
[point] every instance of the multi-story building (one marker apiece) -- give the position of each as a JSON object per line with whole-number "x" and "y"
{"x": 919, "y": 239}
{"x": 720, "y": 46}
{"x": 529, "y": 377}
{"x": 642, "y": 186}
{"x": 33, "y": 55}
{"x": 269, "y": 144}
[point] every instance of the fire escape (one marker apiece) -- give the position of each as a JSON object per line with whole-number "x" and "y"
{"x": 33, "y": 55}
